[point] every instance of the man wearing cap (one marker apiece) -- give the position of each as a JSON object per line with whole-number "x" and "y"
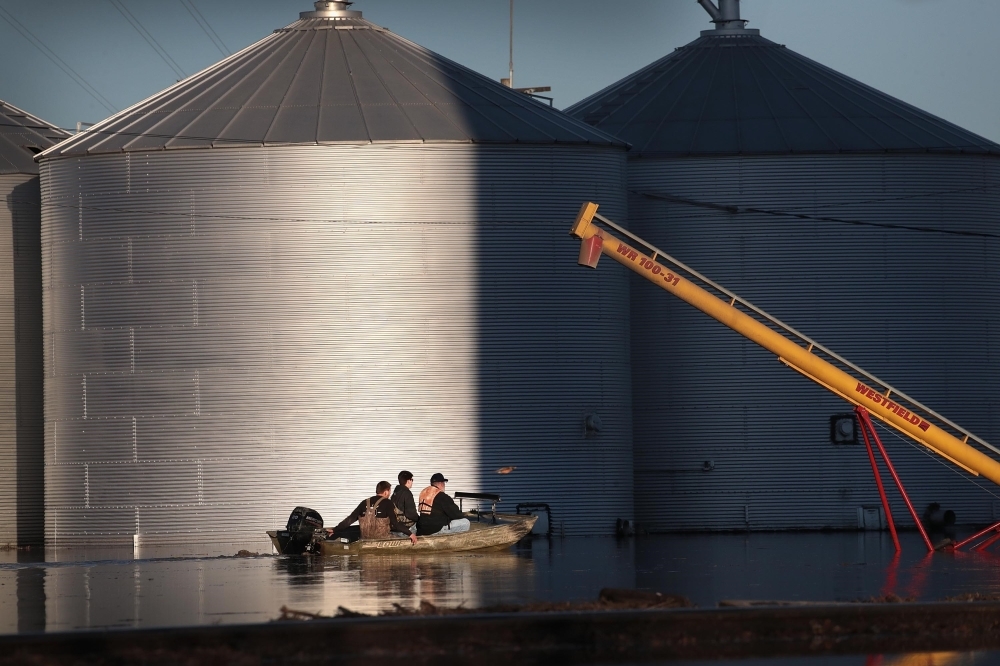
{"x": 438, "y": 512}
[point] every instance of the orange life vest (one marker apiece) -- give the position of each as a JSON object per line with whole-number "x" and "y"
{"x": 426, "y": 502}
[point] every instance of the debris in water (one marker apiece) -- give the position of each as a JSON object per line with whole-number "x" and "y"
{"x": 888, "y": 599}
{"x": 289, "y": 614}
{"x": 609, "y": 599}
{"x": 506, "y": 470}
{"x": 974, "y": 596}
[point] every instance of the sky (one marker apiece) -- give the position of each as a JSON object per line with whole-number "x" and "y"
{"x": 939, "y": 55}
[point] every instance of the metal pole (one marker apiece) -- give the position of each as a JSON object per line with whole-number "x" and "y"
{"x": 511, "y": 79}
{"x": 878, "y": 479}
{"x": 976, "y": 536}
{"x": 895, "y": 477}
{"x": 989, "y": 542}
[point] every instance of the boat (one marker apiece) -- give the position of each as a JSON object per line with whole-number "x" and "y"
{"x": 501, "y": 531}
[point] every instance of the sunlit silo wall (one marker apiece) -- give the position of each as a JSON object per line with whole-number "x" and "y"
{"x": 21, "y": 469}
{"x": 234, "y": 331}
{"x": 735, "y": 139}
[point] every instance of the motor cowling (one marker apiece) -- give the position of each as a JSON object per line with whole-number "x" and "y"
{"x": 303, "y": 525}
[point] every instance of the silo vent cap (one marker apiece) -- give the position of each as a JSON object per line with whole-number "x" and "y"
{"x": 332, "y": 9}
{"x": 726, "y": 17}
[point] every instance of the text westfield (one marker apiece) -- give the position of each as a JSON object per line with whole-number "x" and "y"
{"x": 899, "y": 410}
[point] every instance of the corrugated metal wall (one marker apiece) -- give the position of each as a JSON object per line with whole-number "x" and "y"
{"x": 21, "y": 467}
{"x": 919, "y": 310}
{"x": 231, "y": 333}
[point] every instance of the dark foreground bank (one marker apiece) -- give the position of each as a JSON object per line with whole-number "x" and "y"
{"x": 537, "y": 638}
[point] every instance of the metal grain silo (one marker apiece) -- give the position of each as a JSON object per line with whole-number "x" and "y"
{"x": 332, "y": 256}
{"x": 865, "y": 223}
{"x": 22, "y": 136}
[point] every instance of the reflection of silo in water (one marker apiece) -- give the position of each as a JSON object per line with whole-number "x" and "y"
{"x": 22, "y": 593}
{"x": 162, "y": 593}
{"x": 329, "y": 257}
{"x": 22, "y": 136}
{"x": 374, "y": 584}
{"x": 865, "y": 223}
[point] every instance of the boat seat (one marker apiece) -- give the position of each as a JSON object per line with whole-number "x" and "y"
{"x": 480, "y": 497}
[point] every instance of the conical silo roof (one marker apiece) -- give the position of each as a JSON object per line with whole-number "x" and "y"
{"x": 734, "y": 92}
{"x": 332, "y": 77}
{"x": 22, "y": 136}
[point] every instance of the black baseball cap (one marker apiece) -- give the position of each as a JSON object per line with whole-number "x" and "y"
{"x": 438, "y": 478}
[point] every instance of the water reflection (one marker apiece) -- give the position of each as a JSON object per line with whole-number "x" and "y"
{"x": 371, "y": 584}
{"x": 82, "y": 589}
{"x": 914, "y": 659}
{"x": 928, "y": 659}
{"x": 809, "y": 567}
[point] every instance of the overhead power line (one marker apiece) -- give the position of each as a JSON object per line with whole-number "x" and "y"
{"x": 725, "y": 208}
{"x": 734, "y": 209}
{"x": 145, "y": 34}
{"x": 56, "y": 60}
{"x": 206, "y": 27}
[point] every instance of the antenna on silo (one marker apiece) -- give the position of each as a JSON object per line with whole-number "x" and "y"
{"x": 509, "y": 82}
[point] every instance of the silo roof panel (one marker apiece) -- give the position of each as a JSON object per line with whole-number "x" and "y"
{"x": 389, "y": 120}
{"x": 761, "y": 98}
{"x": 428, "y": 120}
{"x": 249, "y": 121}
{"x": 713, "y": 136}
{"x": 337, "y": 121}
{"x": 761, "y": 134}
{"x": 294, "y": 124}
{"x": 320, "y": 81}
{"x": 22, "y": 135}
{"x": 201, "y": 129}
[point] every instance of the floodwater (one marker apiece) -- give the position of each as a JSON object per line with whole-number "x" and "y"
{"x": 82, "y": 589}
{"x": 913, "y": 659}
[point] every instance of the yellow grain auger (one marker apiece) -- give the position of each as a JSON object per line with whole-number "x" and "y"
{"x": 867, "y": 393}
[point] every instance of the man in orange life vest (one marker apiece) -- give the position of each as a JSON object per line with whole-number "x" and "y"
{"x": 438, "y": 512}
{"x": 376, "y": 515}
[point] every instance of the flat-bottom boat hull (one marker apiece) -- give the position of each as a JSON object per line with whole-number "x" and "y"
{"x": 481, "y": 536}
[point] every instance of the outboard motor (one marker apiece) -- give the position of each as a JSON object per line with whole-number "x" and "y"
{"x": 297, "y": 537}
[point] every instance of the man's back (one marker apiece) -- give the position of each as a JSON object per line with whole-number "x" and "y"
{"x": 402, "y": 499}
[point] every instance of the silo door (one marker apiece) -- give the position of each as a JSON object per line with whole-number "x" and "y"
{"x": 870, "y": 518}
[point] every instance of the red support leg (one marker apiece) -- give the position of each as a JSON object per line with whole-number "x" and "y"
{"x": 863, "y": 413}
{"x": 976, "y": 536}
{"x": 989, "y": 542}
{"x": 878, "y": 477}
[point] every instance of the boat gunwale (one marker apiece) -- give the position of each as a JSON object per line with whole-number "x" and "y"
{"x": 511, "y": 529}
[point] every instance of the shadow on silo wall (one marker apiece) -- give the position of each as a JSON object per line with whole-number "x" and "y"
{"x": 918, "y": 309}
{"x": 553, "y": 339}
{"x": 30, "y": 600}
{"x": 26, "y": 426}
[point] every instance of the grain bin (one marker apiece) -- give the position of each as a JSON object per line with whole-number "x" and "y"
{"x": 329, "y": 257}
{"x": 22, "y": 136}
{"x": 864, "y": 222}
